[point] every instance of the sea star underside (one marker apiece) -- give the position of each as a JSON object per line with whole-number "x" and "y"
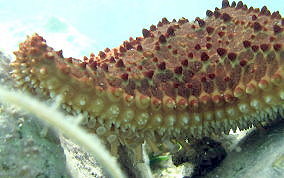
{"x": 181, "y": 79}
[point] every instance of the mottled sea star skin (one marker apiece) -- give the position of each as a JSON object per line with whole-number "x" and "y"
{"x": 181, "y": 79}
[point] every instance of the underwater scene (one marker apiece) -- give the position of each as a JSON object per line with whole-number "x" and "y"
{"x": 150, "y": 89}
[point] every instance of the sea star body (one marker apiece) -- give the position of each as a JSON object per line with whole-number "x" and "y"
{"x": 180, "y": 79}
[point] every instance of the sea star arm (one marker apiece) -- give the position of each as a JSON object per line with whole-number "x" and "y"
{"x": 180, "y": 79}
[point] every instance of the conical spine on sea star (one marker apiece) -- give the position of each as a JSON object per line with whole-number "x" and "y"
{"x": 179, "y": 79}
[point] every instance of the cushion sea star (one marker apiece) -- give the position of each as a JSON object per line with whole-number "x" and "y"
{"x": 179, "y": 80}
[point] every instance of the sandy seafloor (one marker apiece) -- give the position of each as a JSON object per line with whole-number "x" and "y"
{"x": 82, "y": 27}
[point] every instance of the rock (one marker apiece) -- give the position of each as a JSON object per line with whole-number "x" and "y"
{"x": 28, "y": 148}
{"x": 260, "y": 154}
{"x": 79, "y": 162}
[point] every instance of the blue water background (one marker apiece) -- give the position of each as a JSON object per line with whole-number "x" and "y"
{"x": 85, "y": 26}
